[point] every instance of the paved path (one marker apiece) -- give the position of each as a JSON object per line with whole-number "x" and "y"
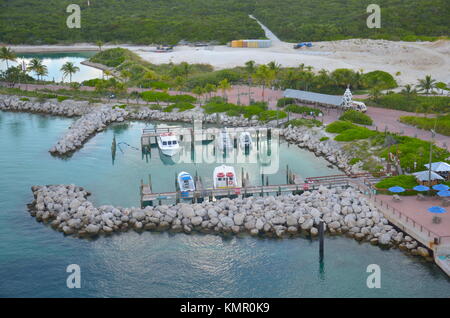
{"x": 417, "y": 211}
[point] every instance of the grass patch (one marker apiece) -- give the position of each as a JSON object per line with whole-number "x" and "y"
{"x": 282, "y": 102}
{"x": 355, "y": 134}
{"x": 442, "y": 123}
{"x": 300, "y": 122}
{"x": 357, "y": 118}
{"x": 302, "y": 110}
{"x": 404, "y": 181}
{"x": 339, "y": 126}
{"x": 324, "y": 138}
{"x": 181, "y": 106}
{"x": 413, "y": 103}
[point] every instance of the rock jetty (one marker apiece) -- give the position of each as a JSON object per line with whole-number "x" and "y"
{"x": 95, "y": 118}
{"x": 343, "y": 211}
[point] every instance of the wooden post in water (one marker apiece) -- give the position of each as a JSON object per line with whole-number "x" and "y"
{"x": 321, "y": 234}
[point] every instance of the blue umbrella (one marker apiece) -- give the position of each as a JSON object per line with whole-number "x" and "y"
{"x": 396, "y": 189}
{"x": 445, "y": 193}
{"x": 421, "y": 188}
{"x": 440, "y": 187}
{"x": 437, "y": 209}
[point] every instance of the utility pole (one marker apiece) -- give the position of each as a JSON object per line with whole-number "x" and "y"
{"x": 433, "y": 133}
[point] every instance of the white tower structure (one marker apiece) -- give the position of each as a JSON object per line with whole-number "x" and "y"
{"x": 348, "y": 98}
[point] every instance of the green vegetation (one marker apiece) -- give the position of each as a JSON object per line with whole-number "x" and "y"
{"x": 413, "y": 103}
{"x": 356, "y": 133}
{"x": 169, "y": 21}
{"x": 62, "y": 98}
{"x": 356, "y": 117}
{"x": 379, "y": 79}
{"x": 354, "y": 161}
{"x": 304, "y": 122}
{"x": 339, "y": 126}
{"x": 258, "y": 110}
{"x": 324, "y": 138}
{"x": 313, "y": 20}
{"x": 412, "y": 152}
{"x": 404, "y": 181}
{"x": 305, "y": 110}
{"x": 156, "y": 97}
{"x": 285, "y": 101}
{"x": 181, "y": 106}
{"x": 441, "y": 124}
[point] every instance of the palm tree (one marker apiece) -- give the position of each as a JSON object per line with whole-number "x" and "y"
{"x": 199, "y": 91}
{"x": 427, "y": 84}
{"x": 250, "y": 69}
{"x": 375, "y": 93}
{"x": 99, "y": 44}
{"x": 264, "y": 75}
{"x": 224, "y": 86}
{"x": 36, "y": 66}
{"x": 68, "y": 69}
{"x": 408, "y": 90}
{"x": 210, "y": 88}
{"x": 6, "y": 54}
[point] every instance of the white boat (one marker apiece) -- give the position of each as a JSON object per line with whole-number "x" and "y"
{"x": 224, "y": 141}
{"x": 168, "y": 144}
{"x": 245, "y": 140}
{"x": 224, "y": 177}
{"x": 186, "y": 182}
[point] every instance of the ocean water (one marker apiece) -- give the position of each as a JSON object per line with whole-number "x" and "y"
{"x": 54, "y": 62}
{"x": 34, "y": 257}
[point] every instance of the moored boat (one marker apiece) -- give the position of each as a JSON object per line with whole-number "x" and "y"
{"x": 168, "y": 144}
{"x": 224, "y": 177}
{"x": 224, "y": 141}
{"x": 186, "y": 182}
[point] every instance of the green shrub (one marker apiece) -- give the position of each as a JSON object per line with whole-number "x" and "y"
{"x": 357, "y": 117}
{"x": 302, "y": 110}
{"x": 379, "y": 79}
{"x": 441, "y": 124}
{"x": 285, "y": 101}
{"x": 413, "y": 103}
{"x": 269, "y": 115}
{"x": 324, "y": 138}
{"x": 304, "y": 122}
{"x": 156, "y": 107}
{"x": 355, "y": 134}
{"x": 25, "y": 99}
{"x": 181, "y": 106}
{"x": 339, "y": 126}
{"x": 62, "y": 98}
{"x": 354, "y": 161}
{"x": 404, "y": 181}
{"x": 120, "y": 106}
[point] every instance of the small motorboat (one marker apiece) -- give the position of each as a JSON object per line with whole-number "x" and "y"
{"x": 224, "y": 141}
{"x": 168, "y": 144}
{"x": 186, "y": 182}
{"x": 245, "y": 140}
{"x": 224, "y": 177}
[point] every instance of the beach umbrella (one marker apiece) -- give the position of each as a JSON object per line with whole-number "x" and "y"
{"x": 444, "y": 193}
{"x": 421, "y": 188}
{"x": 440, "y": 187}
{"x": 437, "y": 209}
{"x": 396, "y": 189}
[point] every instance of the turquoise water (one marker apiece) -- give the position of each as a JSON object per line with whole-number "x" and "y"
{"x": 54, "y": 62}
{"x": 34, "y": 257}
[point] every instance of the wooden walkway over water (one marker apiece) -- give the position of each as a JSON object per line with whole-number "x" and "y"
{"x": 294, "y": 185}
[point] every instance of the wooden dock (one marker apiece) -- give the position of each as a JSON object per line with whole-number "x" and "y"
{"x": 148, "y": 197}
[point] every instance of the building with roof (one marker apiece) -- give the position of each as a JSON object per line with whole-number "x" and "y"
{"x": 441, "y": 168}
{"x": 314, "y": 98}
{"x": 317, "y": 99}
{"x": 423, "y": 177}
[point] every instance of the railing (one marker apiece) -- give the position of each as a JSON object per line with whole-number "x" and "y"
{"x": 431, "y": 235}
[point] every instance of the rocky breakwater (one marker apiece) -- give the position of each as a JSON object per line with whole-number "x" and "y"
{"x": 343, "y": 211}
{"x": 310, "y": 138}
{"x": 145, "y": 113}
{"x": 89, "y": 124}
{"x": 52, "y": 107}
